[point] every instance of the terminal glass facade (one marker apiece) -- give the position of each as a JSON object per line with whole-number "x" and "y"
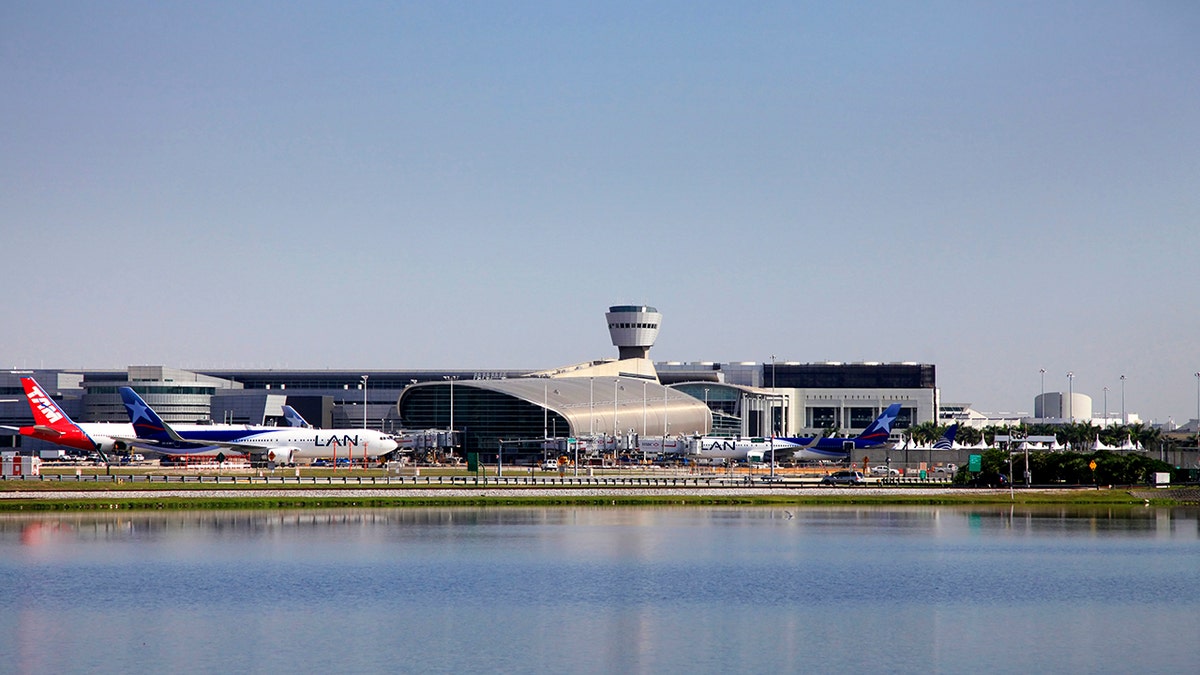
{"x": 482, "y": 417}
{"x": 822, "y": 418}
{"x": 851, "y": 376}
{"x": 149, "y": 390}
{"x": 856, "y": 417}
{"x": 861, "y": 418}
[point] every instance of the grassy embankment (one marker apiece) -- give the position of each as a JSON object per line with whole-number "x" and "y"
{"x": 434, "y": 495}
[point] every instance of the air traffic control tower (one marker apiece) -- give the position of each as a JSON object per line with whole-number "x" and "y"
{"x": 633, "y": 328}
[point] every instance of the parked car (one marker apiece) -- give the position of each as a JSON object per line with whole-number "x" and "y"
{"x": 883, "y": 470}
{"x": 949, "y": 468}
{"x": 843, "y": 478}
{"x": 550, "y": 465}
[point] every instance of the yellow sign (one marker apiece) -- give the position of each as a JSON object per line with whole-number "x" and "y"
{"x": 1092, "y": 465}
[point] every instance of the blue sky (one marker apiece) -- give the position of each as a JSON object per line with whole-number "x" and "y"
{"x": 993, "y": 188}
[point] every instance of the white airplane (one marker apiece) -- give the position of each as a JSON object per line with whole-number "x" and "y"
{"x": 280, "y": 445}
{"x": 740, "y": 449}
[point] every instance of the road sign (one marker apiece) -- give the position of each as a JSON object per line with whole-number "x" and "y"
{"x": 975, "y": 463}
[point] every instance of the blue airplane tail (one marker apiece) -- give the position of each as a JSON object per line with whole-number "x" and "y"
{"x": 881, "y": 428}
{"x": 946, "y": 442}
{"x": 146, "y": 423}
{"x": 293, "y": 418}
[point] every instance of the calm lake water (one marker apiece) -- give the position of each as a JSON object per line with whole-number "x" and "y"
{"x": 644, "y": 590}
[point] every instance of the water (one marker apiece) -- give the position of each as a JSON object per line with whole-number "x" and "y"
{"x": 645, "y": 590}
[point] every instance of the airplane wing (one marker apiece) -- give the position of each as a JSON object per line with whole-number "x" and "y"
{"x": 794, "y": 443}
{"x": 798, "y": 451}
{"x": 40, "y": 428}
{"x": 270, "y": 452}
{"x": 181, "y": 444}
{"x": 245, "y": 448}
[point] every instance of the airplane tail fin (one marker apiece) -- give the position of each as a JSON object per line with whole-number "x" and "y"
{"x": 946, "y": 442}
{"x": 882, "y": 426}
{"x": 293, "y": 418}
{"x": 51, "y": 424}
{"x": 146, "y": 423}
{"x": 47, "y": 416}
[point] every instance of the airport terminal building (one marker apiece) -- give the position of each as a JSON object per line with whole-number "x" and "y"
{"x": 616, "y": 399}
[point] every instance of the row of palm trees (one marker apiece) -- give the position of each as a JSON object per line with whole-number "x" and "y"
{"x": 1076, "y": 468}
{"x": 1077, "y": 436}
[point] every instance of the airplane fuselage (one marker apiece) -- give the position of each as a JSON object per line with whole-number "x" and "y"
{"x": 834, "y": 449}
{"x": 733, "y": 449}
{"x": 292, "y": 443}
{"x": 798, "y": 448}
{"x": 312, "y": 444}
{"x": 87, "y": 437}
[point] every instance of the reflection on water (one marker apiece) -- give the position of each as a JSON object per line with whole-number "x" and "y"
{"x": 1101, "y": 589}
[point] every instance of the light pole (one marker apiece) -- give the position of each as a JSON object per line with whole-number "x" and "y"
{"x": 1070, "y": 396}
{"x": 616, "y": 428}
{"x": 640, "y": 446}
{"x": 663, "y": 451}
{"x": 771, "y": 408}
{"x": 616, "y": 380}
{"x": 364, "y": 386}
{"x": 1198, "y": 409}
{"x": 1105, "y": 425}
{"x": 1043, "y": 399}
{"x": 451, "y": 379}
{"x": 1122, "y": 400}
{"x": 772, "y": 456}
{"x": 644, "y": 407}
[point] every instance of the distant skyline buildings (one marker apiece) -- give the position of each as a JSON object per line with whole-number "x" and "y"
{"x": 1048, "y": 406}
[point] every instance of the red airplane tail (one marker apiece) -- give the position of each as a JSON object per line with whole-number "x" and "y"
{"x": 46, "y": 413}
{"x": 50, "y": 423}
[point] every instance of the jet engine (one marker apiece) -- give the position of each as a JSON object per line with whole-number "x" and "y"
{"x": 281, "y": 455}
{"x": 106, "y": 445}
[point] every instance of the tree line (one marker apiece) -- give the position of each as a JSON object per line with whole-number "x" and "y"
{"x": 1072, "y": 466}
{"x": 1077, "y": 436}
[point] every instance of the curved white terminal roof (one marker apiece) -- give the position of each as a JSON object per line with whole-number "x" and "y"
{"x": 587, "y": 403}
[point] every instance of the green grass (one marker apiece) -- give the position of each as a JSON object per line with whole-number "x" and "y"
{"x": 430, "y": 497}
